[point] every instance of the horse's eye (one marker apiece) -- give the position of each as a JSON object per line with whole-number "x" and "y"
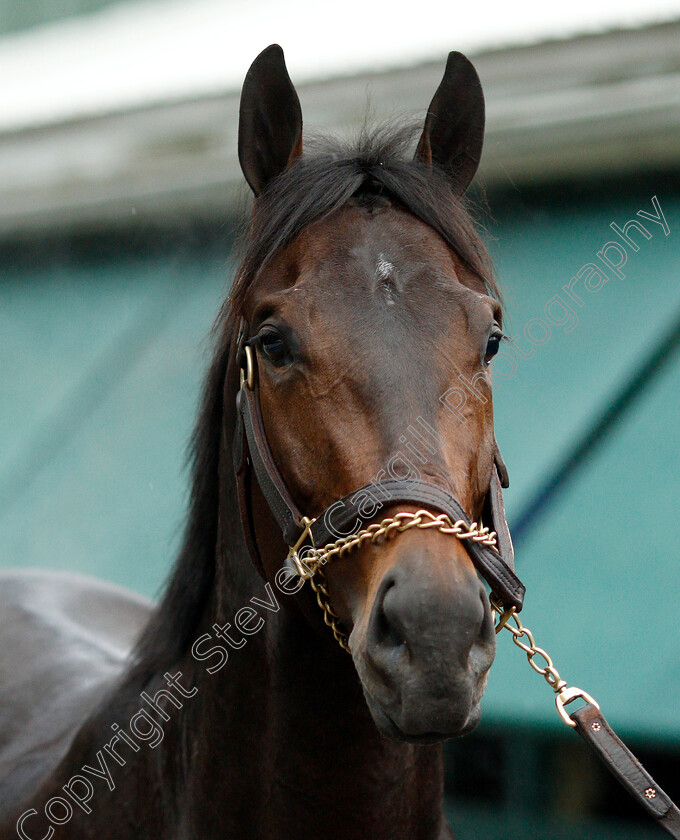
{"x": 273, "y": 346}
{"x": 492, "y": 346}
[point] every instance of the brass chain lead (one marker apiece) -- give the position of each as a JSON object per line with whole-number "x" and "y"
{"x": 330, "y": 617}
{"x": 309, "y": 566}
{"x": 564, "y": 694}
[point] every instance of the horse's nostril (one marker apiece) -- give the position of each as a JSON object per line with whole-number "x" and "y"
{"x": 386, "y": 628}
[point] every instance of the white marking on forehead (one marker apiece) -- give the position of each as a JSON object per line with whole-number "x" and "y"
{"x": 384, "y": 269}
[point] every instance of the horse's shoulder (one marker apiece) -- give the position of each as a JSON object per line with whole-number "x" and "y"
{"x": 64, "y": 640}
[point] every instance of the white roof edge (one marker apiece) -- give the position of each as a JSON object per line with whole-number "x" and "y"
{"x": 593, "y": 104}
{"x": 134, "y": 53}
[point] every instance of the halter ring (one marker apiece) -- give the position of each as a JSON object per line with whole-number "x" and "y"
{"x": 248, "y": 375}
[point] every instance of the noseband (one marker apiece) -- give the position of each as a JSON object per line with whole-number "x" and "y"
{"x": 348, "y": 523}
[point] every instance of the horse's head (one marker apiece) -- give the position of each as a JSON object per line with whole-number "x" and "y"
{"x": 367, "y": 304}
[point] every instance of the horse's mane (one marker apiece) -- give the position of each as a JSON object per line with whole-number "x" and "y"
{"x": 373, "y": 168}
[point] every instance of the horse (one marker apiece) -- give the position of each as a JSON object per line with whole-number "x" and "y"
{"x": 365, "y": 306}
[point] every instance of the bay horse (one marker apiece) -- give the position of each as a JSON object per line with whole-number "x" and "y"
{"x": 364, "y": 298}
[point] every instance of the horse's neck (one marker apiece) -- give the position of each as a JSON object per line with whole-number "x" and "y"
{"x": 286, "y": 748}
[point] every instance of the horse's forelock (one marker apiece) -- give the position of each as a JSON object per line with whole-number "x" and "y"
{"x": 330, "y": 173}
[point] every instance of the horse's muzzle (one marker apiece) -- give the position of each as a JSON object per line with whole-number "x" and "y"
{"x": 424, "y": 647}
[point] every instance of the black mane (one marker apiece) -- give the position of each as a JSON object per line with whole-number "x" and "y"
{"x": 318, "y": 183}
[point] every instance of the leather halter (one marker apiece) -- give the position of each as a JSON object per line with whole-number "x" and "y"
{"x": 253, "y": 455}
{"x": 346, "y": 516}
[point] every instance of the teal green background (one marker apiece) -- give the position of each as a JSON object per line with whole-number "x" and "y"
{"x": 102, "y": 363}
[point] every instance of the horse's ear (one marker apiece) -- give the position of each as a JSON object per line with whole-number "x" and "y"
{"x": 270, "y": 120}
{"x": 454, "y": 127}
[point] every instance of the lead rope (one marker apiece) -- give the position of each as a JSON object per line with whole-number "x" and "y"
{"x": 592, "y": 726}
{"x": 587, "y": 720}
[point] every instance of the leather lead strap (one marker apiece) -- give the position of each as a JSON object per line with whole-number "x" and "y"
{"x": 621, "y": 762}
